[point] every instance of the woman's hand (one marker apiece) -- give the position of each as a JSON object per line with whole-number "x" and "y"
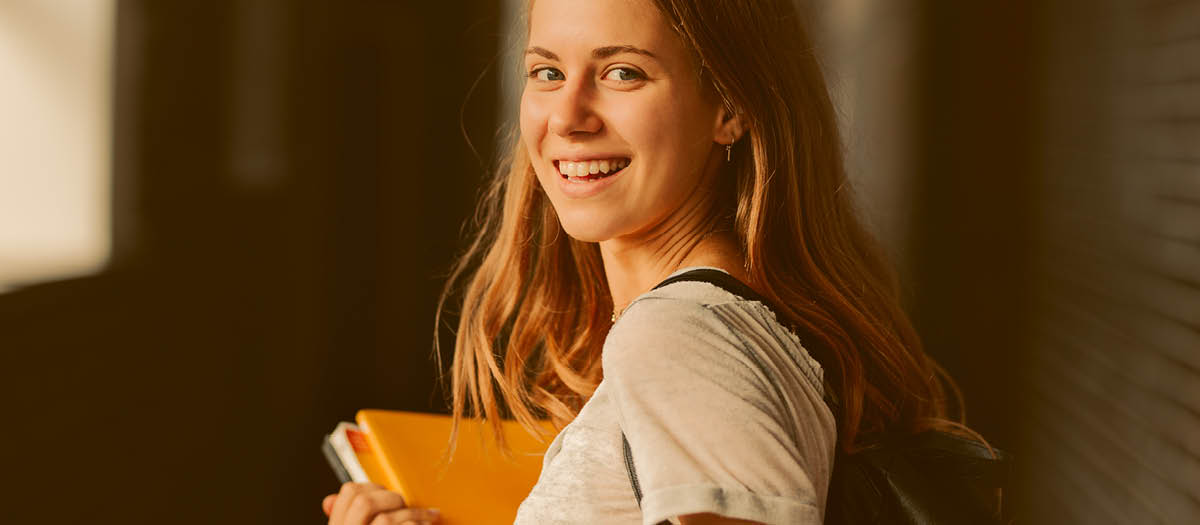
{"x": 371, "y": 504}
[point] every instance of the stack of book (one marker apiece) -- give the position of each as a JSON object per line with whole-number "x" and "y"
{"x": 407, "y": 452}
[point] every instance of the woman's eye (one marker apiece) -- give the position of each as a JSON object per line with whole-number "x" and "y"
{"x": 624, "y": 74}
{"x": 546, "y": 74}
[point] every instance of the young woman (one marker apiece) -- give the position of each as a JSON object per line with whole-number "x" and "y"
{"x": 658, "y": 137}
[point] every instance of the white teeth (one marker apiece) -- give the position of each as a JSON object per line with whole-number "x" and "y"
{"x": 590, "y": 167}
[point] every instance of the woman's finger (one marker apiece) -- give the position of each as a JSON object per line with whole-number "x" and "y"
{"x": 327, "y": 504}
{"x": 408, "y": 517}
{"x": 370, "y": 503}
{"x": 346, "y": 497}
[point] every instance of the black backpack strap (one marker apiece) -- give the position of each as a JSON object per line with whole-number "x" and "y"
{"x": 719, "y": 279}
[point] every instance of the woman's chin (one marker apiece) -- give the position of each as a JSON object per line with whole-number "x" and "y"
{"x": 588, "y": 231}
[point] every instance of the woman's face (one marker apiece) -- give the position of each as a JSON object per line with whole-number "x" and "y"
{"x": 612, "y": 88}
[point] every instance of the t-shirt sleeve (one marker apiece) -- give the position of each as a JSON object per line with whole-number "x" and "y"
{"x": 707, "y": 429}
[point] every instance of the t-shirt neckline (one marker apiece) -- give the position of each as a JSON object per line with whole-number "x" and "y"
{"x": 690, "y": 268}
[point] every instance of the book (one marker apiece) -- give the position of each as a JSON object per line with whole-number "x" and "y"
{"x": 406, "y": 452}
{"x": 350, "y": 456}
{"x": 335, "y": 462}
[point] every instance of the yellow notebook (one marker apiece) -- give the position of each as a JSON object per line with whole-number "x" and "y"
{"x": 479, "y": 486}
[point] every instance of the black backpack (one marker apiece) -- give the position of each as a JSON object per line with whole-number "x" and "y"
{"x": 929, "y": 478}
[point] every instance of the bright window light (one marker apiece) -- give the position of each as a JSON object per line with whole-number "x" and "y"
{"x": 55, "y": 138}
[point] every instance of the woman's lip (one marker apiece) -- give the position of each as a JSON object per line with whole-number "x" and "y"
{"x": 586, "y": 158}
{"x": 580, "y": 190}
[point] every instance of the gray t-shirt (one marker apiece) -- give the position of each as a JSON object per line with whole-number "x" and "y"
{"x": 724, "y": 413}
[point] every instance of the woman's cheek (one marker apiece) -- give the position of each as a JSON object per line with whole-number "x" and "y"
{"x": 532, "y": 120}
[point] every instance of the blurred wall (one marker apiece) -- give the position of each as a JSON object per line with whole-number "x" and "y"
{"x": 1033, "y": 167}
{"x": 1056, "y": 248}
{"x": 869, "y": 50}
{"x": 974, "y": 136}
{"x": 290, "y": 180}
{"x": 1110, "y": 392}
{"x": 927, "y": 91}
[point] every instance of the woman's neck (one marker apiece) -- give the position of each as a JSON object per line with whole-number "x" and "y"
{"x": 633, "y": 268}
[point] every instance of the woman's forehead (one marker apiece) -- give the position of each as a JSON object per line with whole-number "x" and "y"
{"x": 579, "y": 27}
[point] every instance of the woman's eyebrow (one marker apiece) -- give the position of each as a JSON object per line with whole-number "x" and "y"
{"x": 598, "y": 53}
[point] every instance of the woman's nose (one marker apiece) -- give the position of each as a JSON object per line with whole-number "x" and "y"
{"x": 573, "y": 112}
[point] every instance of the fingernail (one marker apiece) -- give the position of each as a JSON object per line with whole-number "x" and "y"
{"x": 437, "y": 512}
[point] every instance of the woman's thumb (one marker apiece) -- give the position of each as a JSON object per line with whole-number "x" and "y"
{"x": 327, "y": 504}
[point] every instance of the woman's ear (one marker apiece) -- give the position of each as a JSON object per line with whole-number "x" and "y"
{"x": 730, "y": 126}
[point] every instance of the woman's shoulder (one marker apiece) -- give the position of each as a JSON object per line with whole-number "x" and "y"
{"x": 698, "y": 320}
{"x": 684, "y": 303}
{"x": 677, "y": 306}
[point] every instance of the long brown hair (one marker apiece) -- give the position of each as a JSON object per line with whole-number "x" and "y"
{"x": 526, "y": 350}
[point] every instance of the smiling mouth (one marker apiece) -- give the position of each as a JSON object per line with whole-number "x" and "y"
{"x": 584, "y": 171}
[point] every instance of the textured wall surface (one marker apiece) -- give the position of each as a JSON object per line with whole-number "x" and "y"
{"x": 1113, "y": 378}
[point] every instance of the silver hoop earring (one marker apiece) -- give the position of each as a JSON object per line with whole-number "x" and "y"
{"x": 729, "y": 152}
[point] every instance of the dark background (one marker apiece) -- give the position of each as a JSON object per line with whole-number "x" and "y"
{"x": 291, "y": 183}
{"x": 292, "y": 180}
